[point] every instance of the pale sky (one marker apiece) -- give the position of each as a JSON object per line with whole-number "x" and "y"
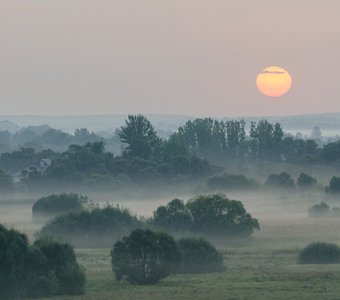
{"x": 190, "y": 57}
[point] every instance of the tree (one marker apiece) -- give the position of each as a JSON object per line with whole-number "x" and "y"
{"x": 268, "y": 137}
{"x": 145, "y": 257}
{"x": 140, "y": 137}
{"x": 199, "y": 256}
{"x": 203, "y": 137}
{"x": 174, "y": 217}
{"x": 306, "y": 181}
{"x": 282, "y": 181}
{"x": 235, "y": 137}
{"x": 334, "y": 186}
{"x": 216, "y": 215}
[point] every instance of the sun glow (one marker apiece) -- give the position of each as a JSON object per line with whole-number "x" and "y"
{"x": 274, "y": 81}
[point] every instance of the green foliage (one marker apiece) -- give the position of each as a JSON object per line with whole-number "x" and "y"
{"x": 320, "y": 253}
{"x": 282, "y": 181}
{"x": 231, "y": 182}
{"x": 145, "y": 257}
{"x": 217, "y": 215}
{"x": 95, "y": 228}
{"x": 199, "y": 256}
{"x": 59, "y": 204}
{"x": 334, "y": 186}
{"x": 306, "y": 181}
{"x": 13, "y": 250}
{"x": 46, "y": 268}
{"x": 61, "y": 261}
{"x": 173, "y": 217}
{"x": 268, "y": 137}
{"x": 140, "y": 137}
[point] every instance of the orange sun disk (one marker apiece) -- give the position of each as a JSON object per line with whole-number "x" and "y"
{"x": 274, "y": 81}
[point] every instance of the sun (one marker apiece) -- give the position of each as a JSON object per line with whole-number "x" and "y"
{"x": 274, "y": 81}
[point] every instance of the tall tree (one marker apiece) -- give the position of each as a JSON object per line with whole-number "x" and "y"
{"x": 140, "y": 137}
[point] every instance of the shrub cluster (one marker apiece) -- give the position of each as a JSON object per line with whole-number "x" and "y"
{"x": 228, "y": 182}
{"x": 320, "y": 253}
{"x": 323, "y": 210}
{"x": 145, "y": 257}
{"x": 199, "y": 256}
{"x": 59, "y": 204}
{"x": 212, "y": 215}
{"x": 280, "y": 181}
{"x": 88, "y": 228}
{"x": 45, "y": 268}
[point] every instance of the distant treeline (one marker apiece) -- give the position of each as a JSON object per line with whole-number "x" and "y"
{"x": 196, "y": 151}
{"x": 44, "y": 137}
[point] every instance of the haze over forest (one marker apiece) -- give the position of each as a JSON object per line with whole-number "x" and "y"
{"x": 173, "y": 149}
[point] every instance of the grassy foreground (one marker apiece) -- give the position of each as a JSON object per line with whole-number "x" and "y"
{"x": 250, "y": 274}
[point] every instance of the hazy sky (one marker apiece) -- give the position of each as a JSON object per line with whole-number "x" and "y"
{"x": 189, "y": 57}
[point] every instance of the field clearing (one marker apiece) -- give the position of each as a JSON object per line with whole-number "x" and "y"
{"x": 261, "y": 267}
{"x": 265, "y": 267}
{"x": 250, "y": 274}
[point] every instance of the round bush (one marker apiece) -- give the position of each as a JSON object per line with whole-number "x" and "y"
{"x": 320, "y": 253}
{"x": 145, "y": 257}
{"x": 173, "y": 217}
{"x": 99, "y": 227}
{"x": 199, "y": 256}
{"x": 281, "y": 181}
{"x": 62, "y": 262}
{"x": 217, "y": 215}
{"x": 59, "y": 204}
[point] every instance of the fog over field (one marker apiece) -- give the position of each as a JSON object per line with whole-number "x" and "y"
{"x": 172, "y": 150}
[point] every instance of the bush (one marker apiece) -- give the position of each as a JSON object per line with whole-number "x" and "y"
{"x": 231, "y": 182}
{"x": 96, "y": 228}
{"x": 319, "y": 210}
{"x": 320, "y": 253}
{"x": 46, "y": 268}
{"x": 334, "y": 186}
{"x": 306, "y": 182}
{"x": 62, "y": 263}
{"x": 282, "y": 181}
{"x": 199, "y": 256}
{"x": 59, "y": 204}
{"x": 173, "y": 217}
{"x": 13, "y": 251}
{"x": 145, "y": 257}
{"x": 217, "y": 215}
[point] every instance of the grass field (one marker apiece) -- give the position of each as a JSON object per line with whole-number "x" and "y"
{"x": 263, "y": 268}
{"x": 249, "y": 274}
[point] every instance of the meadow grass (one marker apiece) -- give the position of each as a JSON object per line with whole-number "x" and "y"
{"x": 251, "y": 273}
